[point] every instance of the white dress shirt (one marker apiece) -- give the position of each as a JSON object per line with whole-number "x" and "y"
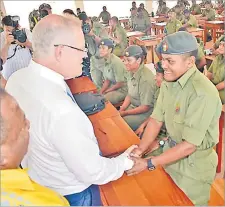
{"x": 63, "y": 153}
{"x": 21, "y": 58}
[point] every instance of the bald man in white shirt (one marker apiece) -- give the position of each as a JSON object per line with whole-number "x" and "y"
{"x": 15, "y": 56}
{"x": 63, "y": 152}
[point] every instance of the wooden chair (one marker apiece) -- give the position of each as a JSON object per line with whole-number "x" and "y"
{"x": 217, "y": 193}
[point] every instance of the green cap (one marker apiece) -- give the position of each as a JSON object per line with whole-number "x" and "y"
{"x": 107, "y": 42}
{"x": 133, "y": 50}
{"x": 158, "y": 67}
{"x": 178, "y": 43}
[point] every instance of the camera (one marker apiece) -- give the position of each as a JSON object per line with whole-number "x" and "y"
{"x": 18, "y": 34}
{"x": 86, "y": 28}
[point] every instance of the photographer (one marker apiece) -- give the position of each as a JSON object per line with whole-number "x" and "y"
{"x": 15, "y": 46}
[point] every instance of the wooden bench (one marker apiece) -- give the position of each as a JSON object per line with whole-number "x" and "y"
{"x": 81, "y": 85}
{"x": 217, "y": 193}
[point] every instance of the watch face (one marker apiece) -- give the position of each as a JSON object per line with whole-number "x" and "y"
{"x": 151, "y": 168}
{"x": 161, "y": 142}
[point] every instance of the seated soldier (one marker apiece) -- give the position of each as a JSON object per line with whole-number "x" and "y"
{"x": 118, "y": 35}
{"x": 190, "y": 107}
{"x": 195, "y": 8}
{"x": 173, "y": 24}
{"x": 141, "y": 22}
{"x": 133, "y": 16}
{"x": 179, "y": 14}
{"x": 145, "y": 12}
{"x": 200, "y": 60}
{"x": 17, "y": 189}
{"x": 209, "y": 13}
{"x": 104, "y": 15}
{"x": 138, "y": 104}
{"x": 110, "y": 77}
{"x": 164, "y": 10}
{"x": 159, "y": 10}
{"x": 216, "y": 71}
{"x": 190, "y": 20}
{"x": 159, "y": 79}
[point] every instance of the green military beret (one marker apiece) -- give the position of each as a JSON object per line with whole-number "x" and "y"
{"x": 133, "y": 50}
{"x": 178, "y": 43}
{"x": 107, "y": 42}
{"x": 158, "y": 67}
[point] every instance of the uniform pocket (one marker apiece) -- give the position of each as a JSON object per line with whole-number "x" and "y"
{"x": 178, "y": 118}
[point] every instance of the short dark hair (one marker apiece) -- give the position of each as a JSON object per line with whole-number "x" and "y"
{"x": 7, "y": 20}
{"x": 69, "y": 11}
{"x": 192, "y": 53}
{"x": 164, "y": 3}
{"x": 78, "y": 9}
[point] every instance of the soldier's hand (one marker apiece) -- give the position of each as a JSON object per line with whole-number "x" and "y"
{"x": 136, "y": 153}
{"x": 139, "y": 165}
{"x": 139, "y": 131}
{"x": 9, "y": 38}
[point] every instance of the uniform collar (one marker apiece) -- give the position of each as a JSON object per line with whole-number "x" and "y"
{"x": 109, "y": 60}
{"x": 16, "y": 179}
{"x": 48, "y": 74}
{"x": 138, "y": 73}
{"x": 184, "y": 78}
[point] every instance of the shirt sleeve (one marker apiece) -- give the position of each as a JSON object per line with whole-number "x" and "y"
{"x": 96, "y": 74}
{"x": 147, "y": 90}
{"x": 119, "y": 70}
{"x": 211, "y": 68}
{"x": 198, "y": 118}
{"x": 158, "y": 112}
{"x": 73, "y": 138}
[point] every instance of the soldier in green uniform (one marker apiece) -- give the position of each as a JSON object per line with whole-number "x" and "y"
{"x": 110, "y": 76}
{"x": 195, "y": 8}
{"x": 145, "y": 12}
{"x": 105, "y": 15}
{"x": 173, "y": 24}
{"x": 133, "y": 16}
{"x": 141, "y": 22}
{"x": 164, "y": 10}
{"x": 138, "y": 104}
{"x": 159, "y": 10}
{"x": 179, "y": 14}
{"x": 190, "y": 20}
{"x": 209, "y": 13}
{"x": 190, "y": 107}
{"x": 118, "y": 35}
{"x": 159, "y": 77}
{"x": 216, "y": 72}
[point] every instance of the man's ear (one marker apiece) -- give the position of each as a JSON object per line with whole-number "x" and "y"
{"x": 58, "y": 52}
{"x": 191, "y": 61}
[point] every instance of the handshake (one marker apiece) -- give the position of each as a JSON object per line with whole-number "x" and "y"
{"x": 134, "y": 164}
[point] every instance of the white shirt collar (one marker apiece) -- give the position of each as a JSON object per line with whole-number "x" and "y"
{"x": 49, "y": 74}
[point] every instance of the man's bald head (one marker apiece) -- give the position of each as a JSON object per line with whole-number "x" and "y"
{"x": 14, "y": 135}
{"x": 52, "y": 29}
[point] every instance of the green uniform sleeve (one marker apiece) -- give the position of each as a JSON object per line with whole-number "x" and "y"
{"x": 211, "y": 67}
{"x": 119, "y": 71}
{"x": 200, "y": 54}
{"x": 158, "y": 112}
{"x": 96, "y": 74}
{"x": 147, "y": 91}
{"x": 198, "y": 118}
{"x": 217, "y": 43}
{"x": 178, "y": 25}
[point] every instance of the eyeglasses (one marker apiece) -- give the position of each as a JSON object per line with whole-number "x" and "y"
{"x": 75, "y": 48}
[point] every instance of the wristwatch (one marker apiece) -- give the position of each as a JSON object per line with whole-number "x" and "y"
{"x": 150, "y": 165}
{"x": 161, "y": 143}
